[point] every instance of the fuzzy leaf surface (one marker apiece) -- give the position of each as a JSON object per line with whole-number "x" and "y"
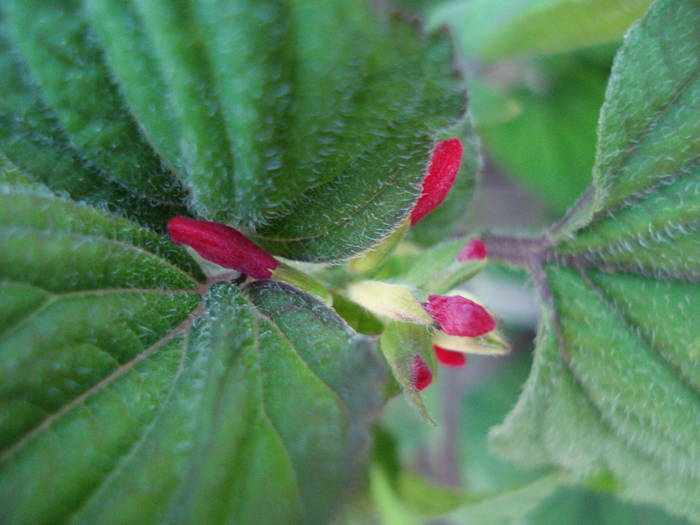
{"x": 308, "y": 125}
{"x": 615, "y": 386}
{"x": 127, "y": 398}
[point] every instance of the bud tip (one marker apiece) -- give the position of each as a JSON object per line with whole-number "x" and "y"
{"x": 421, "y": 376}
{"x": 442, "y": 171}
{"x": 449, "y": 357}
{"x": 474, "y": 250}
{"x": 458, "y": 315}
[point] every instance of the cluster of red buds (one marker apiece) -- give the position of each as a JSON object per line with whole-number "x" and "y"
{"x": 451, "y": 316}
{"x": 456, "y": 315}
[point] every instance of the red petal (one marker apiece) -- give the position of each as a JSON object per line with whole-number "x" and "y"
{"x": 421, "y": 376}
{"x": 222, "y": 245}
{"x": 473, "y": 250}
{"x": 443, "y": 168}
{"x": 449, "y": 357}
{"x": 457, "y": 315}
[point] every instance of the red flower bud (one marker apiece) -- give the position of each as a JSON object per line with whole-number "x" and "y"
{"x": 458, "y": 315}
{"x": 473, "y": 250}
{"x": 222, "y": 245}
{"x": 449, "y": 357}
{"x": 443, "y": 168}
{"x": 421, "y": 376}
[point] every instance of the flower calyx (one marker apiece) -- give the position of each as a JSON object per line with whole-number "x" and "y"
{"x": 457, "y": 315}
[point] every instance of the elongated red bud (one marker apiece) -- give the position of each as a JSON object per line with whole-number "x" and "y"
{"x": 222, "y": 245}
{"x": 458, "y": 315}
{"x": 474, "y": 250}
{"x": 421, "y": 376}
{"x": 449, "y": 357}
{"x": 442, "y": 170}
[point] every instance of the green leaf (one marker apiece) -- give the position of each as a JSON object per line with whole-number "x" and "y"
{"x": 615, "y": 386}
{"x": 405, "y": 101}
{"x": 400, "y": 494}
{"x": 553, "y": 26}
{"x": 65, "y": 61}
{"x": 308, "y": 125}
{"x": 491, "y": 105}
{"x": 436, "y": 270}
{"x": 88, "y": 300}
{"x": 126, "y": 399}
{"x": 359, "y": 319}
{"x": 574, "y": 505}
{"x": 549, "y": 147}
{"x": 497, "y": 29}
{"x": 32, "y": 138}
{"x": 509, "y": 505}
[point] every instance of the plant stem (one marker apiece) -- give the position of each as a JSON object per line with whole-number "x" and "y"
{"x": 514, "y": 250}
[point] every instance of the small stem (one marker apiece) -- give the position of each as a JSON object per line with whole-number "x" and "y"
{"x": 519, "y": 251}
{"x": 582, "y": 201}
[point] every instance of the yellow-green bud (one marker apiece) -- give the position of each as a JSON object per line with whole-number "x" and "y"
{"x": 395, "y": 301}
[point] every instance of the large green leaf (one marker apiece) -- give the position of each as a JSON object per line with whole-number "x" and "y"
{"x": 615, "y": 385}
{"x": 125, "y": 398}
{"x": 32, "y": 138}
{"x": 497, "y": 29}
{"x": 309, "y": 124}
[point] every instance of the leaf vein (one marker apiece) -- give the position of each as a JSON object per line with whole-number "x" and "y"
{"x": 46, "y": 424}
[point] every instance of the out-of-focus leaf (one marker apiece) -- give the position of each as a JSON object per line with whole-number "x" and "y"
{"x": 553, "y": 26}
{"x": 549, "y": 147}
{"x": 490, "y": 106}
{"x": 498, "y": 29}
{"x": 574, "y": 505}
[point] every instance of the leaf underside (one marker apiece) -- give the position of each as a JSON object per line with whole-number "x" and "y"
{"x": 615, "y": 385}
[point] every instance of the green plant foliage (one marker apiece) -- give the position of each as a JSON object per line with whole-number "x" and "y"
{"x": 307, "y": 124}
{"x": 615, "y": 384}
{"x": 126, "y": 399}
{"x": 403, "y": 497}
{"x": 435, "y": 270}
{"x": 550, "y": 146}
{"x": 32, "y": 138}
{"x": 498, "y": 29}
{"x": 490, "y": 105}
{"x": 573, "y": 505}
{"x": 67, "y": 66}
